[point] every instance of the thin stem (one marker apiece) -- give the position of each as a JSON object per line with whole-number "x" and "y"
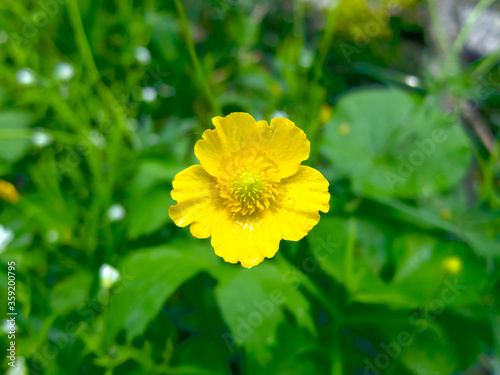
{"x": 436, "y": 25}
{"x": 81, "y": 39}
{"x": 325, "y": 44}
{"x": 15, "y": 133}
{"x": 184, "y": 23}
{"x": 471, "y": 20}
{"x": 349, "y": 256}
{"x": 485, "y": 65}
{"x": 337, "y": 360}
{"x": 298, "y": 20}
{"x": 326, "y": 41}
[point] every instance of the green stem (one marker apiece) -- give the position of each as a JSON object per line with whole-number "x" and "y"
{"x": 337, "y": 367}
{"x": 298, "y": 21}
{"x": 436, "y": 25}
{"x": 471, "y": 20}
{"x": 205, "y": 87}
{"x": 326, "y": 41}
{"x": 349, "y": 256}
{"x": 487, "y": 63}
{"x": 15, "y": 133}
{"x": 81, "y": 39}
{"x": 325, "y": 44}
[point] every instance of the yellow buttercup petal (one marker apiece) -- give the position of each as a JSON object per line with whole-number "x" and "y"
{"x": 282, "y": 142}
{"x": 250, "y": 191}
{"x": 305, "y": 194}
{"x": 245, "y": 239}
{"x": 197, "y": 200}
{"x": 288, "y": 146}
{"x": 232, "y": 133}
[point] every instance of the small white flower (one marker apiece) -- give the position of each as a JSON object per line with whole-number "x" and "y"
{"x": 6, "y": 237}
{"x": 116, "y": 212}
{"x": 25, "y": 77}
{"x": 149, "y": 94}
{"x": 41, "y": 139}
{"x": 64, "y": 71}
{"x": 142, "y": 55}
{"x": 108, "y": 276}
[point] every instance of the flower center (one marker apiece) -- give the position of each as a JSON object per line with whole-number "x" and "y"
{"x": 249, "y": 185}
{"x": 249, "y": 189}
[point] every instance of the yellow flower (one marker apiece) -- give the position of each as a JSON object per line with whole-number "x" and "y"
{"x": 250, "y": 190}
{"x": 453, "y": 265}
{"x": 8, "y": 192}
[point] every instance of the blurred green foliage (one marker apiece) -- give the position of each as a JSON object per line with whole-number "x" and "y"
{"x": 100, "y": 106}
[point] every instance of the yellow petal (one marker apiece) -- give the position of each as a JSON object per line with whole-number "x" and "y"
{"x": 287, "y": 147}
{"x": 305, "y": 194}
{"x": 232, "y": 133}
{"x": 197, "y": 200}
{"x": 282, "y": 142}
{"x": 245, "y": 239}
{"x": 249, "y": 239}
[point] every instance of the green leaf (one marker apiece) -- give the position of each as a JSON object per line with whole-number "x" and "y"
{"x": 165, "y": 33}
{"x": 152, "y": 172}
{"x": 148, "y": 278}
{"x": 70, "y": 292}
{"x": 388, "y": 144}
{"x": 430, "y": 353}
{"x": 148, "y": 212}
{"x": 252, "y": 303}
{"x": 201, "y": 353}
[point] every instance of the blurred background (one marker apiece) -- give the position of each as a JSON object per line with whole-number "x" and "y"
{"x": 101, "y": 103}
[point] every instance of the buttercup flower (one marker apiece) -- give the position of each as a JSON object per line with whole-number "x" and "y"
{"x": 250, "y": 190}
{"x": 8, "y": 192}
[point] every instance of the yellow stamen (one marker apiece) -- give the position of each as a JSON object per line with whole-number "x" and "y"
{"x": 248, "y": 190}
